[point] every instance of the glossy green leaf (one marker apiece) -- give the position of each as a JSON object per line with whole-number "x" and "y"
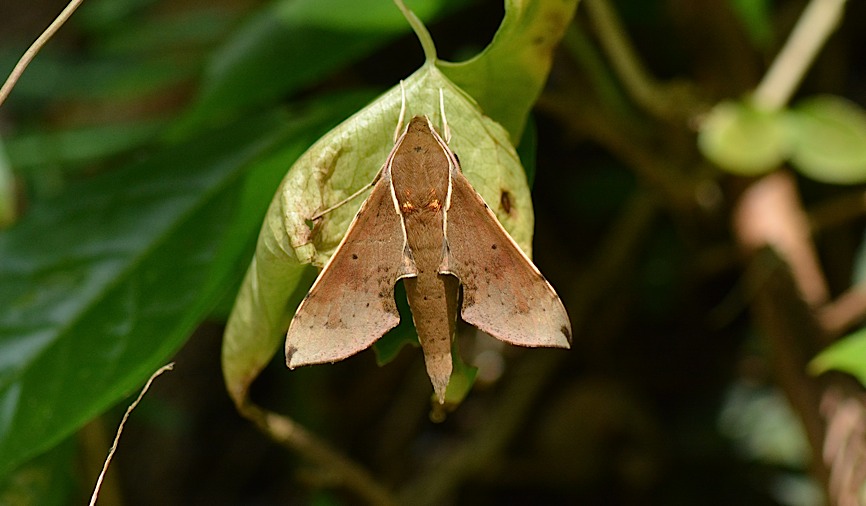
{"x": 507, "y": 77}
{"x": 41, "y": 149}
{"x": 102, "y": 15}
{"x": 100, "y": 285}
{"x": 290, "y": 44}
{"x": 53, "y": 77}
{"x": 847, "y": 355}
{"x": 743, "y": 140}
{"x": 829, "y": 140}
{"x": 335, "y": 167}
{"x": 185, "y": 29}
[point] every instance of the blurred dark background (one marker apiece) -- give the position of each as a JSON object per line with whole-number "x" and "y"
{"x": 668, "y": 396}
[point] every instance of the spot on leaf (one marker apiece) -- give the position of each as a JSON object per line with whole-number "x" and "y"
{"x": 505, "y": 201}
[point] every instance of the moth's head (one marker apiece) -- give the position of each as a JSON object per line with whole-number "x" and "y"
{"x": 419, "y": 124}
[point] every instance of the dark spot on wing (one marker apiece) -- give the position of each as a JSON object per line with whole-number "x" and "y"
{"x": 492, "y": 247}
{"x": 566, "y": 333}
{"x": 505, "y": 201}
{"x": 418, "y": 149}
{"x": 354, "y": 256}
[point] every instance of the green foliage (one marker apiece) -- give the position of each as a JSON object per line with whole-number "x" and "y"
{"x": 146, "y": 250}
{"x": 823, "y": 137}
{"x": 848, "y": 355}
{"x": 105, "y": 276}
{"x": 290, "y": 44}
{"x": 742, "y": 139}
{"x": 139, "y": 162}
{"x": 103, "y": 282}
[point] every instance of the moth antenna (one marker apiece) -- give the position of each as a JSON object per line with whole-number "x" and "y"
{"x": 399, "y": 128}
{"x": 446, "y": 132}
{"x": 345, "y": 200}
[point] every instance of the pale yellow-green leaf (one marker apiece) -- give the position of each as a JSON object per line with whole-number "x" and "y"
{"x": 351, "y": 155}
{"x": 508, "y": 76}
{"x": 340, "y": 163}
{"x": 829, "y": 140}
{"x": 848, "y": 355}
{"x": 743, "y": 140}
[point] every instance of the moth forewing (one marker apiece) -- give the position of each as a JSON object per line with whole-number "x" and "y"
{"x": 504, "y": 294}
{"x": 351, "y": 303}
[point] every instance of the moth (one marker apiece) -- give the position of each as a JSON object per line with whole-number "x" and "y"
{"x": 424, "y": 223}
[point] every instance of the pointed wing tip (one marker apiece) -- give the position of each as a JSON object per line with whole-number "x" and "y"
{"x": 565, "y": 330}
{"x": 297, "y": 358}
{"x": 291, "y": 363}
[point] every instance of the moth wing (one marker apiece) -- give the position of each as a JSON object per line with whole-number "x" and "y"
{"x": 503, "y": 292}
{"x": 351, "y": 304}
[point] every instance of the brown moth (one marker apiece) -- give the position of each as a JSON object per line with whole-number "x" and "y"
{"x": 424, "y": 223}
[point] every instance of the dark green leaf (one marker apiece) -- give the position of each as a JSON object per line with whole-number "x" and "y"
{"x": 290, "y": 44}
{"x": 99, "y": 286}
{"x": 41, "y": 149}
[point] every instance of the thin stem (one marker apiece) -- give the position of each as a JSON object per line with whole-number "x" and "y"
{"x": 576, "y": 42}
{"x": 636, "y": 80}
{"x": 812, "y": 30}
{"x": 167, "y": 367}
{"x": 420, "y": 32}
{"x": 34, "y": 48}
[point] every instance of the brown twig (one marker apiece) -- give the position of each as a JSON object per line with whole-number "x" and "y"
{"x": 843, "y": 313}
{"x": 837, "y": 211}
{"x": 624, "y": 143}
{"x": 769, "y": 213}
{"x": 295, "y": 437}
{"x": 770, "y": 226}
{"x": 640, "y": 85}
{"x": 845, "y": 447}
